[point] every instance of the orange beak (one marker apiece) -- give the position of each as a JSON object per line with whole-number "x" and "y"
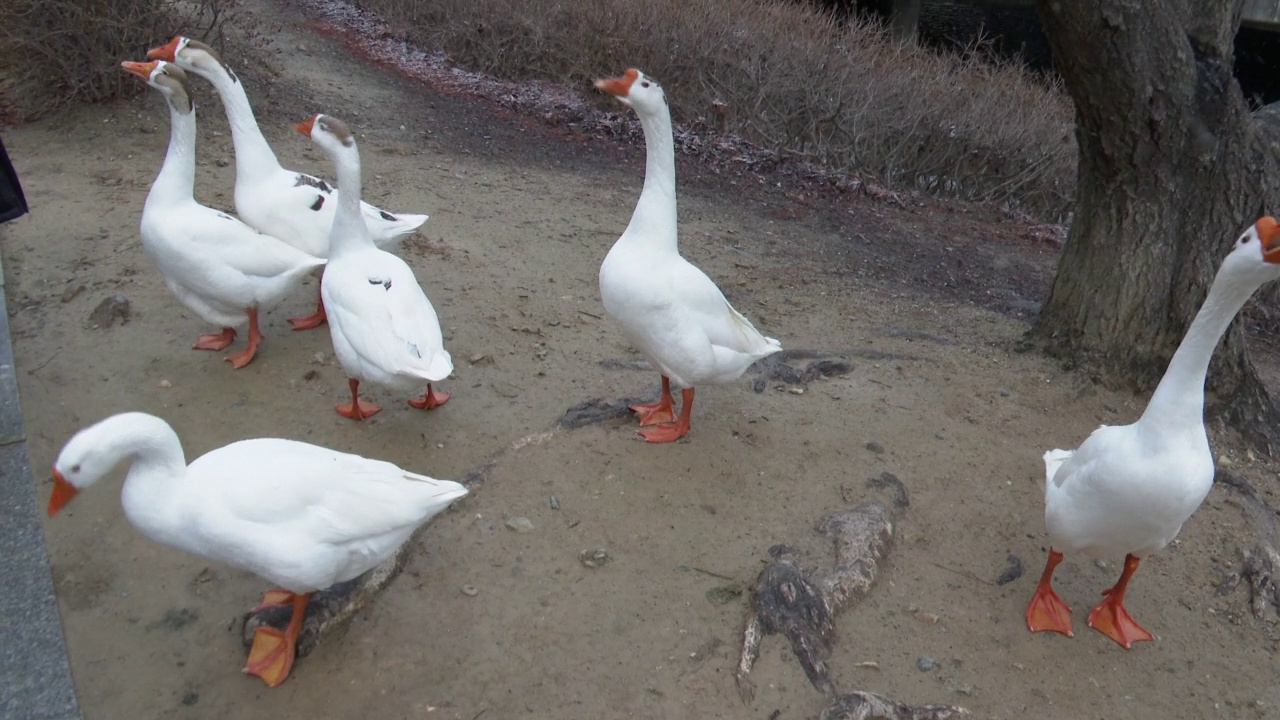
{"x": 305, "y": 126}
{"x": 63, "y": 491}
{"x": 166, "y": 52}
{"x": 619, "y": 86}
{"x": 1269, "y": 233}
{"x": 142, "y": 70}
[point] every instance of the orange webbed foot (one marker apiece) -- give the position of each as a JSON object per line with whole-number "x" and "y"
{"x": 306, "y": 322}
{"x": 242, "y": 358}
{"x": 666, "y": 432}
{"x": 1047, "y": 611}
{"x": 654, "y": 413}
{"x": 359, "y": 410}
{"x": 215, "y": 341}
{"x": 1112, "y": 619}
{"x": 271, "y": 656}
{"x": 431, "y": 399}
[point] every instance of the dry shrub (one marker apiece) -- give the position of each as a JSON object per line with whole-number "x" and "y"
{"x": 845, "y": 97}
{"x": 54, "y": 52}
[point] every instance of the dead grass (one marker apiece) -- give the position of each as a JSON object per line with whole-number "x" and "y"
{"x": 54, "y": 52}
{"x": 846, "y": 98}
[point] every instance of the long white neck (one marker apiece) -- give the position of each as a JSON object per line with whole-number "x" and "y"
{"x": 1179, "y": 398}
{"x": 349, "y": 232}
{"x": 156, "y": 470}
{"x": 253, "y": 155}
{"x": 654, "y": 220}
{"x": 176, "y": 181}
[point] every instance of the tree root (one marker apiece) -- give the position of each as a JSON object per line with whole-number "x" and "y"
{"x": 866, "y": 706}
{"x": 1259, "y": 562}
{"x": 801, "y": 606}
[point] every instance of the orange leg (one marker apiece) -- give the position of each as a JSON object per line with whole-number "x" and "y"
{"x": 430, "y": 399}
{"x": 1111, "y": 618}
{"x": 315, "y": 319}
{"x": 662, "y": 411}
{"x": 671, "y": 431}
{"x": 1046, "y": 610}
{"x": 272, "y": 653}
{"x": 242, "y": 358}
{"x": 215, "y": 341}
{"x": 357, "y": 409}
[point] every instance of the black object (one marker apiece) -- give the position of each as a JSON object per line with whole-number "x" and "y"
{"x": 12, "y": 202}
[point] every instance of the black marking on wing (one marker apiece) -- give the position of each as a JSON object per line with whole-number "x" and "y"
{"x": 386, "y": 284}
{"x": 319, "y": 203}
{"x": 316, "y": 183}
{"x": 387, "y": 216}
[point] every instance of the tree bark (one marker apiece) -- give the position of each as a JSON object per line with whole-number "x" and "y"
{"x": 1172, "y": 168}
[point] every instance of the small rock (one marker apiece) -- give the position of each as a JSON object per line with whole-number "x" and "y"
{"x": 1005, "y": 392}
{"x": 875, "y": 447}
{"x": 469, "y": 590}
{"x": 520, "y": 524}
{"x": 71, "y": 292}
{"x": 796, "y": 390}
{"x": 479, "y": 358}
{"x": 1012, "y": 570}
{"x": 940, "y": 436}
{"x": 594, "y": 558}
{"x": 964, "y": 689}
{"x": 555, "y": 504}
{"x": 109, "y": 310}
{"x": 868, "y": 664}
{"x": 927, "y": 618}
{"x": 221, "y": 162}
{"x": 318, "y": 358}
{"x": 164, "y": 384}
{"x": 926, "y": 664}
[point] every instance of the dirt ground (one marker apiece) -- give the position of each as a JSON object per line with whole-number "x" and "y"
{"x": 925, "y": 301}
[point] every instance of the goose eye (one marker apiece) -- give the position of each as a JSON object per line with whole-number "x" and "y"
{"x": 644, "y": 83}
{"x": 75, "y": 468}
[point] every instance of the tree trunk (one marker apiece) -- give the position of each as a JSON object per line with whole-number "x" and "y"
{"x": 1172, "y": 169}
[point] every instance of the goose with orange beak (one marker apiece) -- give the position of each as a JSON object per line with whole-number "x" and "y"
{"x": 290, "y": 205}
{"x": 667, "y": 308}
{"x": 1127, "y": 490}
{"x": 383, "y": 327}
{"x": 303, "y": 517}
{"x": 221, "y": 269}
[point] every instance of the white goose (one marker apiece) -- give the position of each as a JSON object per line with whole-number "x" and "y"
{"x": 1128, "y": 489}
{"x": 301, "y": 516}
{"x": 668, "y": 308}
{"x": 292, "y": 206}
{"x": 221, "y": 269}
{"x": 384, "y": 328}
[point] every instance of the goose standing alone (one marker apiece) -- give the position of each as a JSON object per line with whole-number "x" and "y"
{"x": 292, "y": 206}
{"x": 384, "y": 328}
{"x": 220, "y": 268}
{"x": 301, "y": 516}
{"x": 1128, "y": 489}
{"x": 669, "y": 309}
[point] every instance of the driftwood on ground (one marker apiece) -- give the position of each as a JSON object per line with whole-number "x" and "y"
{"x": 802, "y": 606}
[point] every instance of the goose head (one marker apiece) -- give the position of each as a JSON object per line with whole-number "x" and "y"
{"x": 168, "y": 78}
{"x": 637, "y": 90}
{"x": 80, "y": 464}
{"x": 331, "y": 134}
{"x": 1255, "y": 257}
{"x": 189, "y": 54}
